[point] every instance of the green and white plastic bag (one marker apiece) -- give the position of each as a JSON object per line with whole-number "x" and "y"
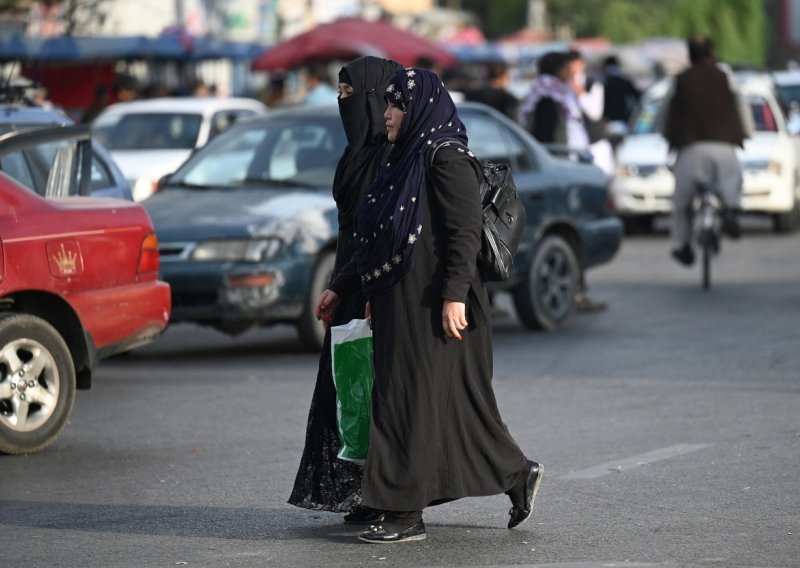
{"x": 351, "y": 354}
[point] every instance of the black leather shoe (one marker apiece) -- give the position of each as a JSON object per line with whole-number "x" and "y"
{"x": 684, "y": 255}
{"x": 378, "y": 534}
{"x": 730, "y": 224}
{"x": 363, "y": 515}
{"x": 521, "y": 514}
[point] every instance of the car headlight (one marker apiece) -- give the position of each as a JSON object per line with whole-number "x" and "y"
{"x": 236, "y": 250}
{"x": 775, "y": 167}
{"x": 625, "y": 170}
{"x": 144, "y": 188}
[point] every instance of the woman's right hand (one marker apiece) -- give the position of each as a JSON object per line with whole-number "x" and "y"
{"x": 326, "y": 305}
{"x": 368, "y": 313}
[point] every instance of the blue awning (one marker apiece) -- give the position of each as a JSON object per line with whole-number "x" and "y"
{"x": 85, "y": 49}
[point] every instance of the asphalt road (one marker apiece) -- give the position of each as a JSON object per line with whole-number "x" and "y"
{"x": 669, "y": 427}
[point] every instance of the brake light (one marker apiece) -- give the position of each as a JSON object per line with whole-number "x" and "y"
{"x": 149, "y": 260}
{"x": 610, "y": 207}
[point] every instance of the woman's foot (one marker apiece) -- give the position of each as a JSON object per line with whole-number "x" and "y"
{"x": 524, "y": 494}
{"x": 385, "y": 534}
{"x": 363, "y": 515}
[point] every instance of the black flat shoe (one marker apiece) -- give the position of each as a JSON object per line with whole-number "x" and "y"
{"x": 521, "y": 514}
{"x": 363, "y": 515}
{"x": 377, "y": 534}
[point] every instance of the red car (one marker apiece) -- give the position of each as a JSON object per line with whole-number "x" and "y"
{"x": 78, "y": 282}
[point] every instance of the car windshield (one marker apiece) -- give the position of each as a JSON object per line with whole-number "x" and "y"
{"x": 149, "y": 131}
{"x": 645, "y": 121}
{"x": 285, "y": 153}
{"x": 789, "y": 93}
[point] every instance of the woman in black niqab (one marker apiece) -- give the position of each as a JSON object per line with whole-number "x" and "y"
{"x": 324, "y": 481}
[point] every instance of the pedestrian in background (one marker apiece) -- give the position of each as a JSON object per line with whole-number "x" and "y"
{"x": 550, "y": 111}
{"x": 591, "y": 100}
{"x": 319, "y": 92}
{"x": 705, "y": 120}
{"x": 323, "y": 481}
{"x": 494, "y": 92}
{"x": 435, "y": 431}
{"x": 620, "y": 94}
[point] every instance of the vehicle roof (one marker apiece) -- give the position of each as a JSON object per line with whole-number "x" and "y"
{"x": 786, "y": 77}
{"x": 193, "y": 105}
{"x": 31, "y": 115}
{"x": 333, "y": 111}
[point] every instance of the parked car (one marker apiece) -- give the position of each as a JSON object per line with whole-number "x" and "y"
{"x": 248, "y": 226}
{"x": 151, "y": 138}
{"x": 31, "y": 167}
{"x": 78, "y": 282}
{"x": 644, "y": 183}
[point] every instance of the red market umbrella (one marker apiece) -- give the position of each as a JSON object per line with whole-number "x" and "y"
{"x": 348, "y": 38}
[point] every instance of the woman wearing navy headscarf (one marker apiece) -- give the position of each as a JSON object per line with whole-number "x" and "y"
{"x": 436, "y": 433}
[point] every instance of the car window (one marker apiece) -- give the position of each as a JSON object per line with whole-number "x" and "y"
{"x": 520, "y": 154}
{"x": 763, "y": 117}
{"x": 789, "y": 93}
{"x": 292, "y": 153}
{"x": 101, "y": 176}
{"x": 644, "y": 121}
{"x": 486, "y": 138}
{"x": 226, "y": 118}
{"x": 149, "y": 131}
{"x": 16, "y": 166}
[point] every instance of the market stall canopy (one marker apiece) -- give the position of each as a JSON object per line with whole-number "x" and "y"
{"x": 87, "y": 49}
{"x": 348, "y": 38}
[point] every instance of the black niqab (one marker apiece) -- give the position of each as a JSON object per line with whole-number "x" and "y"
{"x": 365, "y": 128}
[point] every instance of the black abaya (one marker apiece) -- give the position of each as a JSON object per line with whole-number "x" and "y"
{"x": 436, "y": 433}
{"x": 323, "y": 481}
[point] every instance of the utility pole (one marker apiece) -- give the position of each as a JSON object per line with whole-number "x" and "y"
{"x": 537, "y": 14}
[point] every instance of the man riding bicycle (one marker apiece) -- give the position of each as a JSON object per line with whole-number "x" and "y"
{"x": 705, "y": 120}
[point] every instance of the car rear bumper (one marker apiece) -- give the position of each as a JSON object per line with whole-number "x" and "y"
{"x": 600, "y": 241}
{"x": 122, "y": 318}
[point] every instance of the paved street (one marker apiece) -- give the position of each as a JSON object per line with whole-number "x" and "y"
{"x": 669, "y": 427}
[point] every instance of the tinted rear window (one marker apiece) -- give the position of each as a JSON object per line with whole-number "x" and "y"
{"x": 155, "y": 131}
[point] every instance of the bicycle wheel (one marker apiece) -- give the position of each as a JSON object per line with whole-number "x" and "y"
{"x": 706, "y": 244}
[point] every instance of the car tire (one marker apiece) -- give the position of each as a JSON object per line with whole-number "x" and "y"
{"x": 34, "y": 412}
{"x": 786, "y": 222}
{"x": 545, "y": 298}
{"x": 309, "y": 328}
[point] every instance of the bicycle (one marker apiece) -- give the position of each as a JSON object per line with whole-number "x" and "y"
{"x": 707, "y": 226}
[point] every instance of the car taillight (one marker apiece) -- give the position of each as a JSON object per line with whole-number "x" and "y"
{"x": 610, "y": 207}
{"x": 148, "y": 258}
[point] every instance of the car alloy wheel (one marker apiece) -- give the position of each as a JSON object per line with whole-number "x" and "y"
{"x": 545, "y": 299}
{"x": 37, "y": 384}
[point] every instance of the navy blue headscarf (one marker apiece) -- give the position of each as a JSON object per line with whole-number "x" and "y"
{"x": 389, "y": 220}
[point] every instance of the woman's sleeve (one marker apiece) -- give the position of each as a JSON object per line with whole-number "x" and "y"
{"x": 454, "y": 180}
{"x": 347, "y": 281}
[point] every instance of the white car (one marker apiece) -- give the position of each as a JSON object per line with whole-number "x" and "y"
{"x": 150, "y": 138}
{"x": 644, "y": 184}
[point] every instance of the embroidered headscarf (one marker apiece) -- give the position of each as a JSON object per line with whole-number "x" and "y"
{"x": 389, "y": 220}
{"x": 365, "y": 128}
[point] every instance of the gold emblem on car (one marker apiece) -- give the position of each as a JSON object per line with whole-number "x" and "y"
{"x": 67, "y": 261}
